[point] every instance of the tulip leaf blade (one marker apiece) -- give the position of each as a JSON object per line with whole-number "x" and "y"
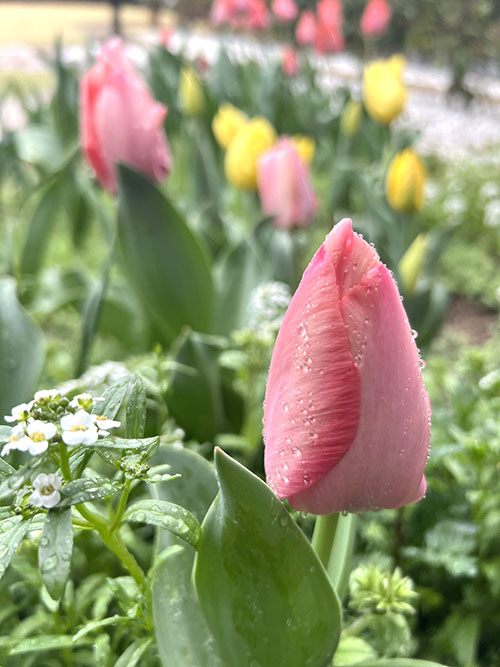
{"x": 264, "y": 593}
{"x": 165, "y": 262}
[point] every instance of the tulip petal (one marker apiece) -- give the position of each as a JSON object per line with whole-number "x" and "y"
{"x": 384, "y": 466}
{"x": 313, "y": 394}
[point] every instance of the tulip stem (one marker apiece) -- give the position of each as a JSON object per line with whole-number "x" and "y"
{"x": 324, "y": 536}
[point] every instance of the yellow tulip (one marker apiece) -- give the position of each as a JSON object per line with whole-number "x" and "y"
{"x": 350, "y": 119}
{"x": 226, "y": 123}
{"x": 384, "y": 92}
{"x": 411, "y": 263}
{"x": 253, "y": 139}
{"x": 305, "y": 146}
{"x": 191, "y": 98}
{"x": 404, "y": 183}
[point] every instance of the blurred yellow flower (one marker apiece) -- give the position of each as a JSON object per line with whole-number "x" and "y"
{"x": 305, "y": 146}
{"x": 404, "y": 184}
{"x": 350, "y": 119}
{"x": 191, "y": 98}
{"x": 384, "y": 92}
{"x": 411, "y": 263}
{"x": 226, "y": 123}
{"x": 253, "y": 139}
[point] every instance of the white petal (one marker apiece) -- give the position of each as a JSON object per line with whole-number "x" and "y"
{"x": 89, "y": 436}
{"x": 52, "y": 500}
{"x": 55, "y": 481}
{"x": 67, "y": 422}
{"x": 41, "y": 480}
{"x": 83, "y": 418}
{"x": 24, "y": 444}
{"x": 49, "y": 430}
{"x": 37, "y": 448}
{"x": 8, "y": 447}
{"x": 36, "y": 499}
{"x": 9, "y": 418}
{"x": 72, "y": 437}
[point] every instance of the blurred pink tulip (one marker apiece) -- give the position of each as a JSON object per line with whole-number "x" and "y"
{"x": 329, "y": 36}
{"x": 305, "y": 32}
{"x": 120, "y": 120}
{"x": 346, "y": 416}
{"x": 284, "y": 186}
{"x": 375, "y": 18}
{"x": 258, "y": 15}
{"x": 290, "y": 61}
{"x": 284, "y": 10}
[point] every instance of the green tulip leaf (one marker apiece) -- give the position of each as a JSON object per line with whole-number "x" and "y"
{"x": 163, "y": 259}
{"x": 265, "y": 595}
{"x": 174, "y": 518}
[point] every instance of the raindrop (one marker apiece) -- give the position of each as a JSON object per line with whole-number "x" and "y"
{"x": 296, "y": 452}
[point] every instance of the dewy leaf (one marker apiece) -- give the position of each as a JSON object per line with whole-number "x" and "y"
{"x": 54, "y": 551}
{"x": 15, "y": 480}
{"x": 265, "y": 595}
{"x": 125, "y": 443}
{"x": 82, "y": 490}
{"x": 136, "y": 410}
{"x": 113, "y": 397}
{"x": 21, "y": 349}
{"x": 12, "y": 531}
{"x": 163, "y": 259}
{"x": 169, "y": 516}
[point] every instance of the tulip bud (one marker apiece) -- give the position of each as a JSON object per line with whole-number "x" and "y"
{"x": 253, "y": 139}
{"x": 284, "y": 10}
{"x": 226, "y": 123}
{"x": 375, "y": 18}
{"x": 346, "y": 415}
{"x": 120, "y": 120}
{"x": 411, "y": 263}
{"x": 289, "y": 62}
{"x": 404, "y": 184}
{"x": 350, "y": 119}
{"x": 305, "y": 146}
{"x": 191, "y": 98}
{"x": 305, "y": 32}
{"x": 384, "y": 92}
{"x": 284, "y": 187}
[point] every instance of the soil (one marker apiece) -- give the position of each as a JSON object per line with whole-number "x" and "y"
{"x": 470, "y": 319}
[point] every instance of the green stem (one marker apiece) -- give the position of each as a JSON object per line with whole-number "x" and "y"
{"x": 64, "y": 461}
{"x": 357, "y": 627}
{"x": 324, "y": 535}
{"x": 121, "y": 506}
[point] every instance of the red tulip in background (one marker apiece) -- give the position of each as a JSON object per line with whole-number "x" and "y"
{"x": 329, "y": 36}
{"x": 241, "y": 14}
{"x": 347, "y": 416}
{"x": 284, "y": 186}
{"x": 305, "y": 32}
{"x": 290, "y": 61}
{"x": 375, "y": 18}
{"x": 284, "y": 10}
{"x": 258, "y": 15}
{"x": 120, "y": 120}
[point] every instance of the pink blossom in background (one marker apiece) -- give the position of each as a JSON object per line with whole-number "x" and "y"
{"x": 258, "y": 16}
{"x": 120, "y": 121}
{"x": 376, "y": 17}
{"x": 284, "y": 10}
{"x": 290, "y": 61}
{"x": 346, "y": 415}
{"x": 284, "y": 186}
{"x": 305, "y": 32}
{"x": 329, "y": 36}
{"x": 166, "y": 35}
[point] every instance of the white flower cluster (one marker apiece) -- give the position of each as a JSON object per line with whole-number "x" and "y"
{"x": 51, "y": 417}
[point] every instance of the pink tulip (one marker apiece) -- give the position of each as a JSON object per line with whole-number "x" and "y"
{"x": 346, "y": 416}
{"x": 289, "y": 61}
{"x": 284, "y": 10}
{"x": 329, "y": 36}
{"x": 375, "y": 18}
{"x": 305, "y": 32}
{"x": 284, "y": 188}
{"x": 120, "y": 120}
{"x": 258, "y": 16}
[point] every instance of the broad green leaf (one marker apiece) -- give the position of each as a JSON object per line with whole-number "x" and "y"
{"x": 194, "y": 395}
{"x": 16, "y": 479}
{"x": 125, "y": 443}
{"x": 264, "y": 593}
{"x": 169, "y": 516}
{"x": 239, "y": 273}
{"x": 163, "y": 259}
{"x": 353, "y": 650}
{"x": 339, "y": 564}
{"x": 21, "y": 349}
{"x": 54, "y": 551}
{"x": 12, "y": 531}
{"x": 133, "y": 653}
{"x": 82, "y": 490}
{"x": 113, "y": 397}
{"x": 136, "y": 410}
{"x": 181, "y": 631}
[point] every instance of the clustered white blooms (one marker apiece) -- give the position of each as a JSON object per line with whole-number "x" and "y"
{"x": 51, "y": 417}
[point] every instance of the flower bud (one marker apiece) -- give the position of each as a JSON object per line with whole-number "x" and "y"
{"x": 410, "y": 265}
{"x": 253, "y": 139}
{"x": 404, "y": 184}
{"x": 226, "y": 124}
{"x": 350, "y": 119}
{"x": 384, "y": 93}
{"x": 305, "y": 146}
{"x": 191, "y": 98}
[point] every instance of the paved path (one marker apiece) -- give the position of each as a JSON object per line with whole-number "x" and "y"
{"x": 451, "y": 131}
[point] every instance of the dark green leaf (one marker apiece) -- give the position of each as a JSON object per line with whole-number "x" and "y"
{"x": 44, "y": 643}
{"x": 353, "y": 650}
{"x": 21, "y": 349}
{"x": 113, "y": 397}
{"x": 136, "y": 410}
{"x": 264, "y": 593}
{"x": 5, "y": 468}
{"x": 55, "y": 550}
{"x": 101, "y": 623}
{"x": 125, "y": 443}
{"x": 82, "y": 490}
{"x": 398, "y": 662}
{"x": 12, "y": 531}
{"x": 5, "y": 432}
{"x": 15, "y": 480}
{"x": 133, "y": 653}
{"x": 163, "y": 259}
{"x": 169, "y": 516}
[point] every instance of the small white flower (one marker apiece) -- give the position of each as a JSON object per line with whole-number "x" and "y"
{"x": 39, "y": 433}
{"x": 455, "y": 205}
{"x": 490, "y": 190}
{"x": 46, "y": 395}
{"x": 19, "y": 412}
{"x": 46, "y": 493}
{"x": 492, "y": 213}
{"x": 15, "y": 440}
{"x": 104, "y": 423}
{"x": 78, "y": 429}
{"x": 84, "y": 400}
